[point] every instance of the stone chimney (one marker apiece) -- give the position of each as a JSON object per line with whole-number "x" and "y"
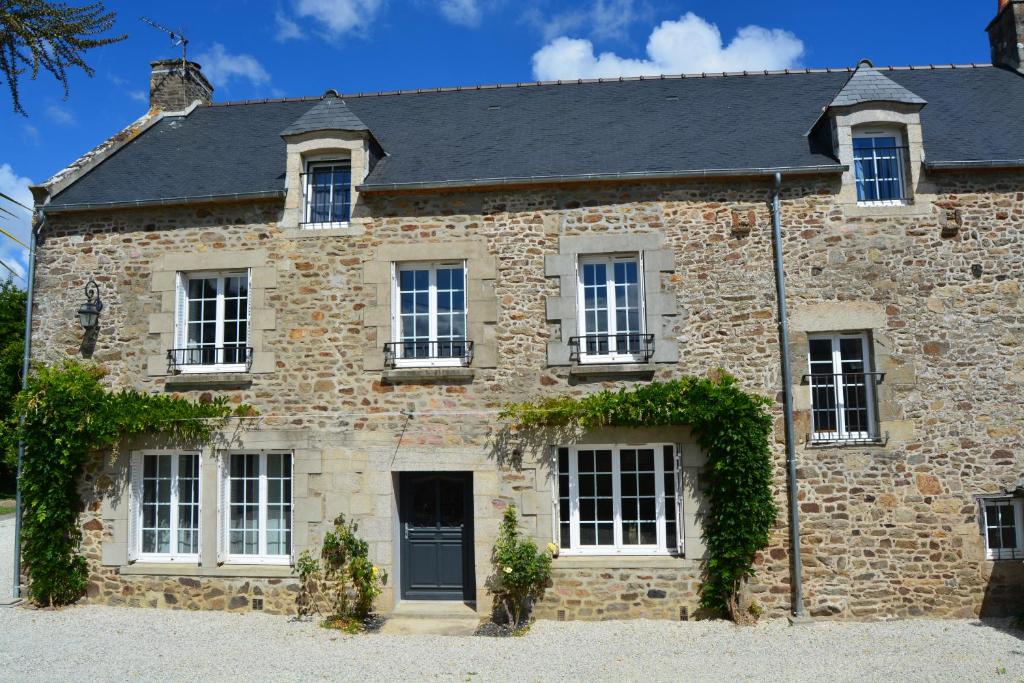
{"x": 1006, "y": 35}
{"x": 173, "y": 88}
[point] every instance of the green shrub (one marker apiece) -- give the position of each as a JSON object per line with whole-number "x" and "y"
{"x": 346, "y": 582}
{"x": 521, "y": 571}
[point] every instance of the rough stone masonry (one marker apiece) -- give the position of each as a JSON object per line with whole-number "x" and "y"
{"x": 889, "y": 530}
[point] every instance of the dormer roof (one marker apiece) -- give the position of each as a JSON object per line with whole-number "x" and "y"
{"x": 867, "y": 84}
{"x": 331, "y": 113}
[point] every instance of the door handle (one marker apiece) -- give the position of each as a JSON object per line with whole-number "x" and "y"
{"x": 405, "y": 529}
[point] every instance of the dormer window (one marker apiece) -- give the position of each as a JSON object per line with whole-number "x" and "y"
{"x": 880, "y": 167}
{"x": 327, "y": 190}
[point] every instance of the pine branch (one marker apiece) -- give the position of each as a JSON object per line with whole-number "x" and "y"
{"x": 51, "y": 36}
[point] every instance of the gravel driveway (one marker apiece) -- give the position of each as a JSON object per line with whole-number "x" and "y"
{"x": 111, "y": 643}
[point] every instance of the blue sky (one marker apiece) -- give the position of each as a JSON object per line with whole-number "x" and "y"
{"x": 289, "y": 48}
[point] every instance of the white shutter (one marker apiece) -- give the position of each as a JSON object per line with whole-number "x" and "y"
{"x": 134, "y": 506}
{"x": 222, "y": 506}
{"x": 291, "y": 510}
{"x": 680, "y": 548}
{"x": 180, "y": 311}
{"x": 199, "y": 497}
{"x": 248, "y": 321}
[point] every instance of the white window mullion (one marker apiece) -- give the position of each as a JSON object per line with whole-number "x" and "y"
{"x": 172, "y": 547}
{"x": 616, "y": 498}
{"x": 262, "y": 507}
{"x": 574, "y": 498}
{"x": 840, "y": 387}
{"x": 611, "y": 309}
{"x": 218, "y": 358}
{"x": 659, "y": 492}
{"x": 432, "y": 309}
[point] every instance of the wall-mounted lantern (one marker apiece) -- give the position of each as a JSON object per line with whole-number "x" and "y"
{"x": 89, "y": 312}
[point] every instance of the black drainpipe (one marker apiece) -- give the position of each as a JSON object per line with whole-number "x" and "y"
{"x": 787, "y": 404}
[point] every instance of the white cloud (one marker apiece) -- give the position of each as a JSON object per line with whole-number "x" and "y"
{"x": 611, "y": 18}
{"x": 60, "y": 115}
{"x": 689, "y": 45}
{"x": 220, "y": 66}
{"x": 339, "y": 16}
{"x": 287, "y": 29}
{"x": 31, "y": 132}
{"x": 138, "y": 95}
{"x": 604, "y": 19}
{"x": 461, "y": 12}
{"x": 11, "y": 253}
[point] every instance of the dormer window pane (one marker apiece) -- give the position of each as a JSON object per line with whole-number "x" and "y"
{"x": 328, "y": 189}
{"x": 879, "y": 167}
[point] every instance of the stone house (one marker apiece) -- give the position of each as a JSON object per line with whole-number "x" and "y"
{"x": 379, "y": 274}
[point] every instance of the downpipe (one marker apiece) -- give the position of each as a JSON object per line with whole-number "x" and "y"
{"x": 787, "y": 404}
{"x": 16, "y": 591}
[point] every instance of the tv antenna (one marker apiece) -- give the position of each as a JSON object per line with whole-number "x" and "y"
{"x": 177, "y": 37}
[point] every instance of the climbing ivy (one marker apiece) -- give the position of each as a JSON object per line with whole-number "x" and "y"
{"x": 731, "y": 425}
{"x": 62, "y": 417}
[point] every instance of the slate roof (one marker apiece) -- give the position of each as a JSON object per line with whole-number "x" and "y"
{"x": 868, "y": 85}
{"x": 330, "y": 113}
{"x": 714, "y": 125}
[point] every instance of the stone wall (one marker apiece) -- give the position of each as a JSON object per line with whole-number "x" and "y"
{"x": 889, "y": 530}
{"x": 621, "y": 589}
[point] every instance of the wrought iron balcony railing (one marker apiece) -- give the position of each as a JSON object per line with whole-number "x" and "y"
{"x": 881, "y": 174}
{"x": 624, "y": 347}
{"x": 440, "y": 352}
{"x": 844, "y": 407}
{"x": 325, "y": 203}
{"x": 212, "y": 356}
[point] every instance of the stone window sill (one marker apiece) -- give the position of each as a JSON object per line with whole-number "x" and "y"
{"x": 441, "y": 374}
{"x": 882, "y": 210}
{"x": 208, "y": 380}
{"x": 611, "y": 369}
{"x": 623, "y": 562}
{"x": 248, "y": 571}
{"x": 311, "y": 232}
{"x": 880, "y": 442}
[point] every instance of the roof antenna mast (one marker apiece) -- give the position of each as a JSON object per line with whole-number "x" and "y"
{"x": 177, "y": 37}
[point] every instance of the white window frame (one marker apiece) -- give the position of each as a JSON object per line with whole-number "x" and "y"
{"x": 840, "y": 408}
{"x": 1018, "y": 523}
{"x": 136, "y": 498}
{"x": 870, "y": 132}
{"x": 311, "y": 164}
{"x": 262, "y": 557}
{"x": 661, "y": 547}
{"x": 396, "y": 312}
{"x": 181, "y": 316}
{"x": 581, "y": 316}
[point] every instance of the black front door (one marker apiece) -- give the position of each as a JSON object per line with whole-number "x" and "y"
{"x": 437, "y": 536}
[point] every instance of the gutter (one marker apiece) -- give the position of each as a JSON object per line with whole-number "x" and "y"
{"x": 26, "y": 354}
{"x": 979, "y": 163}
{"x": 585, "y": 177}
{"x": 787, "y": 405}
{"x": 177, "y": 201}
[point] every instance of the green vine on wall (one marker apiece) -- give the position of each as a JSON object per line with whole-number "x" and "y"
{"x": 67, "y": 416}
{"x": 732, "y": 426}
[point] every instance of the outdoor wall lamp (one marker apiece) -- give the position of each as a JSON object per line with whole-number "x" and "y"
{"x": 89, "y": 312}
